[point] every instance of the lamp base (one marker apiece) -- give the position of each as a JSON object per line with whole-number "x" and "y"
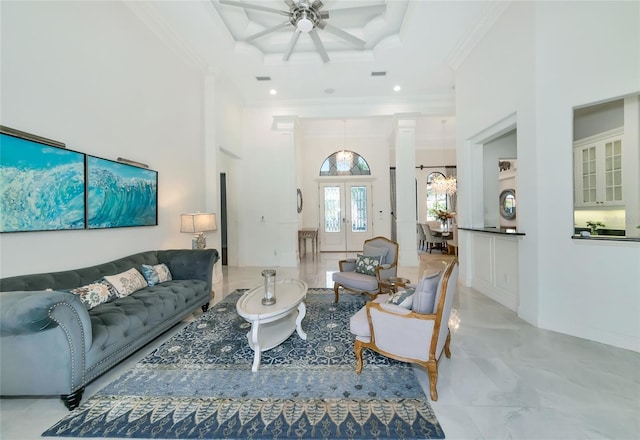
{"x": 199, "y": 241}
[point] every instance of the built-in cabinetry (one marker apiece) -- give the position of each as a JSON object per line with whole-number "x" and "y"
{"x": 493, "y": 266}
{"x": 598, "y": 170}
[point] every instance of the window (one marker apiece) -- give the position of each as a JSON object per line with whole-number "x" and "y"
{"x": 345, "y": 163}
{"x": 435, "y": 200}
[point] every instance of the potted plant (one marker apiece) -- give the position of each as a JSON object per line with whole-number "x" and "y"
{"x": 595, "y": 226}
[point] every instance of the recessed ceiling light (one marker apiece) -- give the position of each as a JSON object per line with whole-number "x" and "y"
{"x": 273, "y": 91}
{"x": 396, "y": 89}
{"x": 263, "y": 78}
{"x": 329, "y": 91}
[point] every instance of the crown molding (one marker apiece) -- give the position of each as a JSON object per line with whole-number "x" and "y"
{"x": 493, "y": 11}
{"x": 161, "y": 28}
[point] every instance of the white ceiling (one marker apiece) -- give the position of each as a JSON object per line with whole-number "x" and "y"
{"x": 418, "y": 43}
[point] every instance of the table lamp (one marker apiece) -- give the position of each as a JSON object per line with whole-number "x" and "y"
{"x": 198, "y": 224}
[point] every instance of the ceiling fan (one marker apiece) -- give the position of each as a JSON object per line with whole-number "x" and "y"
{"x": 307, "y": 17}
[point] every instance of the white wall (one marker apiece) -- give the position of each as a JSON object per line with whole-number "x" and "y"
{"x": 539, "y": 61}
{"x": 89, "y": 74}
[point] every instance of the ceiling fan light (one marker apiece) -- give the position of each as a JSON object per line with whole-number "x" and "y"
{"x": 304, "y": 24}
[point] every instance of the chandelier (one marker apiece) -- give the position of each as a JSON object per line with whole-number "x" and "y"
{"x": 445, "y": 185}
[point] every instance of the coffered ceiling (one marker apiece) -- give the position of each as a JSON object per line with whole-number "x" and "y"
{"x": 416, "y": 43}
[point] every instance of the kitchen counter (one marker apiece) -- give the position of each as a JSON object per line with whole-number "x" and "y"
{"x": 494, "y": 230}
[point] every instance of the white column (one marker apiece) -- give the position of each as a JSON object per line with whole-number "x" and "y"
{"x": 631, "y": 165}
{"x": 286, "y": 196}
{"x": 405, "y": 140}
{"x": 211, "y": 175}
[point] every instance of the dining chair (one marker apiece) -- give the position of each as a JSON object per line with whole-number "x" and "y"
{"x": 433, "y": 239}
{"x": 422, "y": 238}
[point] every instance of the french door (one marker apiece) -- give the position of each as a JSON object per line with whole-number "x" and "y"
{"x": 345, "y": 215}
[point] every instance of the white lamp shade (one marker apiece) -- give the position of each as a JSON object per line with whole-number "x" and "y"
{"x": 200, "y": 222}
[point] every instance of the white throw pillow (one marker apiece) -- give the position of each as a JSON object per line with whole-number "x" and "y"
{"x": 127, "y": 282}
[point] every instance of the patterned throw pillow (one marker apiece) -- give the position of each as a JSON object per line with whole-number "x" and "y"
{"x": 402, "y": 298}
{"x": 156, "y": 274}
{"x": 94, "y": 294}
{"x": 127, "y": 282}
{"x": 367, "y": 265}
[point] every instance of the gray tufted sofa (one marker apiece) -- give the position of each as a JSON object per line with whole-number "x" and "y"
{"x": 50, "y": 344}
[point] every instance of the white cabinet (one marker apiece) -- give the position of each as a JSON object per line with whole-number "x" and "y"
{"x": 598, "y": 170}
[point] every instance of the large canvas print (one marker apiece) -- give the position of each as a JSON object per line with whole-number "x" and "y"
{"x": 41, "y": 184}
{"x": 120, "y": 195}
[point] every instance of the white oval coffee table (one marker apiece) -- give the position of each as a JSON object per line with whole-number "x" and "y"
{"x": 272, "y": 325}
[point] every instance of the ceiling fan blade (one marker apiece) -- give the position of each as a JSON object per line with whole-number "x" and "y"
{"x": 342, "y": 34}
{"x": 256, "y": 7}
{"x": 373, "y": 9}
{"x": 319, "y": 46}
{"x": 292, "y": 43}
{"x": 267, "y": 31}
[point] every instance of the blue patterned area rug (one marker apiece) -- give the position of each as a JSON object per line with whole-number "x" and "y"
{"x": 199, "y": 385}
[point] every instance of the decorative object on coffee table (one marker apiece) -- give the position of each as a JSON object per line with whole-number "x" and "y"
{"x": 269, "y": 297}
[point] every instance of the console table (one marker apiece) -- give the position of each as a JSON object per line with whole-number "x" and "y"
{"x": 305, "y": 233}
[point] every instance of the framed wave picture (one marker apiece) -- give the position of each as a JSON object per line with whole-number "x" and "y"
{"x": 120, "y": 195}
{"x": 42, "y": 184}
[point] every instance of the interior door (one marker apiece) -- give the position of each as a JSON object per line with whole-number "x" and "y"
{"x": 345, "y": 211}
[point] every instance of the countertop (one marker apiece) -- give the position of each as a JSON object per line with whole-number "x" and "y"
{"x": 494, "y": 230}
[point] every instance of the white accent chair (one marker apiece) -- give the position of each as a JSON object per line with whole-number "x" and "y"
{"x": 403, "y": 333}
{"x": 351, "y": 280}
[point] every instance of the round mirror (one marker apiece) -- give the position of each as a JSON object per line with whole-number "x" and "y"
{"x": 299, "y": 201}
{"x": 508, "y": 204}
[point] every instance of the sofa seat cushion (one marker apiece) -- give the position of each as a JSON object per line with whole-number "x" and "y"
{"x": 356, "y": 280}
{"x": 123, "y": 321}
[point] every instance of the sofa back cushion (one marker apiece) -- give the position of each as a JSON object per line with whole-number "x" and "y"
{"x": 70, "y": 279}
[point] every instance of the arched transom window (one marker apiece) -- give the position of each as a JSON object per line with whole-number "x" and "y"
{"x": 345, "y": 163}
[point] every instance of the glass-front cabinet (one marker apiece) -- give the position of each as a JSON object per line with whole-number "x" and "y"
{"x": 598, "y": 173}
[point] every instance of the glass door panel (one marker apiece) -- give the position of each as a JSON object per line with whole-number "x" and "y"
{"x": 344, "y": 229}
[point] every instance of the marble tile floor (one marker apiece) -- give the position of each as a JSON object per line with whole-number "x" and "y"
{"x": 505, "y": 380}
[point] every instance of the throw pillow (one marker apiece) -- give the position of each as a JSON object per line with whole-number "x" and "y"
{"x": 94, "y": 294}
{"x": 426, "y": 293}
{"x": 156, "y": 274}
{"x": 367, "y": 265}
{"x": 127, "y": 282}
{"x": 402, "y": 298}
{"x": 369, "y": 250}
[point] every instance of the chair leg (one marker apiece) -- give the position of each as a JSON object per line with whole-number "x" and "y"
{"x": 357, "y": 348}
{"x": 432, "y": 369}
{"x": 336, "y": 288}
{"x": 447, "y": 348}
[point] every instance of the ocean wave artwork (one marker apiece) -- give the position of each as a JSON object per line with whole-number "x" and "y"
{"x": 41, "y": 187}
{"x": 120, "y": 195}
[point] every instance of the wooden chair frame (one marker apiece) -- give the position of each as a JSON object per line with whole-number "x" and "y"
{"x": 430, "y": 364}
{"x": 381, "y": 272}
